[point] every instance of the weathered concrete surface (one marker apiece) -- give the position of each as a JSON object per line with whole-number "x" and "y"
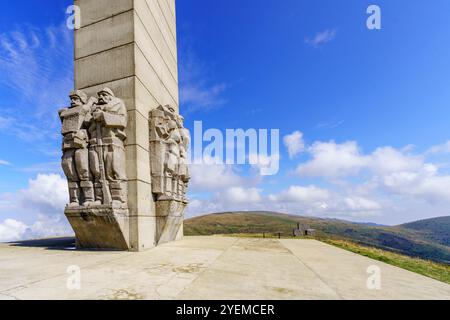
{"x": 205, "y": 268}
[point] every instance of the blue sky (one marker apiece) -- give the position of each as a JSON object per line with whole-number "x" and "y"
{"x": 369, "y": 108}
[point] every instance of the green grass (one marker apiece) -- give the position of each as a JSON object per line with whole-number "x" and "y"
{"x": 427, "y": 268}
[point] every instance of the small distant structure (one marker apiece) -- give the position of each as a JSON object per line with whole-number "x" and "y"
{"x": 303, "y": 231}
{"x": 298, "y": 232}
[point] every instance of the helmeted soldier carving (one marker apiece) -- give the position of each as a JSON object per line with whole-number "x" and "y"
{"x": 106, "y": 149}
{"x": 183, "y": 168}
{"x": 75, "y": 160}
{"x": 172, "y": 161}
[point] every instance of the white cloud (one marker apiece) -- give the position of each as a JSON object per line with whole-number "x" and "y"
{"x": 294, "y": 143}
{"x": 387, "y": 159}
{"x": 229, "y": 198}
{"x": 239, "y": 195}
{"x": 396, "y": 171}
{"x": 308, "y": 194}
{"x": 48, "y": 226}
{"x": 266, "y": 165}
{"x": 333, "y": 160}
{"x": 425, "y": 184}
{"x": 388, "y": 184}
{"x": 198, "y": 207}
{"x": 46, "y": 193}
{"x": 210, "y": 177}
{"x": 11, "y": 230}
{"x": 303, "y": 200}
{"x": 322, "y": 37}
{"x": 361, "y": 204}
{"x": 37, "y": 211}
{"x": 319, "y": 201}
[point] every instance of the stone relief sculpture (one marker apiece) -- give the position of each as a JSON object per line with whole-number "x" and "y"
{"x": 75, "y": 160}
{"x": 95, "y": 165}
{"x": 169, "y": 142}
{"x": 106, "y": 149}
{"x": 93, "y": 150}
{"x": 94, "y": 161}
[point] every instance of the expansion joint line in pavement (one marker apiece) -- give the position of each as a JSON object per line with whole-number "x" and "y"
{"x": 212, "y": 262}
{"x": 314, "y": 272}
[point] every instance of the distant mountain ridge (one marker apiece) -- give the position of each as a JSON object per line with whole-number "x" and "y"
{"x": 435, "y": 230}
{"x": 427, "y": 239}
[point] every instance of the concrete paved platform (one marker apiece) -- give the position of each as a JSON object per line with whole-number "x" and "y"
{"x": 205, "y": 268}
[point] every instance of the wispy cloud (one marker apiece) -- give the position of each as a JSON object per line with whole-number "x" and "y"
{"x": 4, "y": 163}
{"x": 36, "y": 69}
{"x": 440, "y": 149}
{"x": 198, "y": 91}
{"x": 23, "y": 129}
{"x": 330, "y": 124}
{"x": 322, "y": 38}
{"x": 198, "y": 97}
{"x": 48, "y": 167}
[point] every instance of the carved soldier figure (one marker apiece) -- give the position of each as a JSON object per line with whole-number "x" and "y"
{"x": 172, "y": 160}
{"x": 158, "y": 134}
{"x": 75, "y": 160}
{"x": 106, "y": 151}
{"x": 183, "y": 169}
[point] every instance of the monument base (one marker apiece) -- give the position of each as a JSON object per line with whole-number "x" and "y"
{"x": 101, "y": 227}
{"x": 169, "y": 220}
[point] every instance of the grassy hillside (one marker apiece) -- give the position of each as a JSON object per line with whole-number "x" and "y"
{"x": 435, "y": 230}
{"x": 427, "y": 268}
{"x": 413, "y": 239}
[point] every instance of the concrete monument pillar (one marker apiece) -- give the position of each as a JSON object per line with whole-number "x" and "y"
{"x": 130, "y": 48}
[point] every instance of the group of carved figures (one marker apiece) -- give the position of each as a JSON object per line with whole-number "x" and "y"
{"x": 94, "y": 160}
{"x": 169, "y": 142}
{"x": 93, "y": 149}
